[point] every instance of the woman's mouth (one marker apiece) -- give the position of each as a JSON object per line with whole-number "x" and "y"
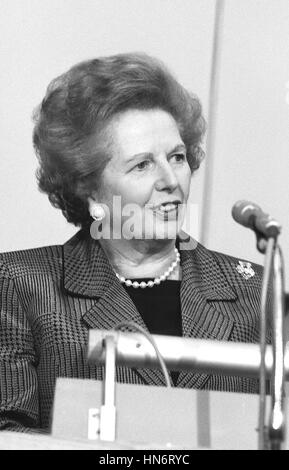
{"x": 167, "y": 211}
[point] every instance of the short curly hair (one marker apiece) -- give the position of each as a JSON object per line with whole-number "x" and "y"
{"x": 70, "y": 137}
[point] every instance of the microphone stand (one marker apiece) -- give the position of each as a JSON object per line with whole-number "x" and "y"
{"x": 277, "y": 418}
{"x": 275, "y": 435}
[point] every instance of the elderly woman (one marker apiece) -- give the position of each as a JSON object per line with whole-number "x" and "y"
{"x": 115, "y": 134}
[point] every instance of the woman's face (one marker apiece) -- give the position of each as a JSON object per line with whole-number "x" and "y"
{"x": 146, "y": 183}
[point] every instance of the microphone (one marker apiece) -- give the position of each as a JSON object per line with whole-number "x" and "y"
{"x": 250, "y": 215}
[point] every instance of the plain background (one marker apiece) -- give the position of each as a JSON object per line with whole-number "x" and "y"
{"x": 40, "y": 39}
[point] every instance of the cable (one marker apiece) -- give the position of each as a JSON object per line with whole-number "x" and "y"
{"x": 153, "y": 343}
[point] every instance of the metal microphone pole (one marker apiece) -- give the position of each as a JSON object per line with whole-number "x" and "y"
{"x": 277, "y": 417}
{"x": 274, "y": 435}
{"x": 186, "y": 354}
{"x": 267, "y": 231}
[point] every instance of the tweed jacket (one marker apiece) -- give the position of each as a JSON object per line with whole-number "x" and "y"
{"x": 50, "y": 297}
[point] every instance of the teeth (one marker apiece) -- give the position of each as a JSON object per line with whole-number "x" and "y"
{"x": 168, "y": 207}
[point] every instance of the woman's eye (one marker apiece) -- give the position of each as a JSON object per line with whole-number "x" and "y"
{"x": 179, "y": 157}
{"x": 142, "y": 165}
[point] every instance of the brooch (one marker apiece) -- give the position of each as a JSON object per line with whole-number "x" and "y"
{"x": 245, "y": 269}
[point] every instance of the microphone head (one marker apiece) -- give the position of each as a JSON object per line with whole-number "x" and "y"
{"x": 244, "y": 212}
{"x": 250, "y": 215}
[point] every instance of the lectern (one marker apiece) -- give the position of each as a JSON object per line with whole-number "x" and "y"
{"x": 158, "y": 417}
{"x": 162, "y": 417}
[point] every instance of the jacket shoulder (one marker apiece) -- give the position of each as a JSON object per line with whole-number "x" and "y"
{"x": 31, "y": 261}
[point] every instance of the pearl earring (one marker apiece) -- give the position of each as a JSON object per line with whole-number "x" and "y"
{"x": 96, "y": 210}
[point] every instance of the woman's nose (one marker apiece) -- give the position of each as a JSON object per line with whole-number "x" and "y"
{"x": 166, "y": 179}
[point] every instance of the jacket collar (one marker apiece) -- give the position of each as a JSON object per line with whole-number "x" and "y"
{"x": 88, "y": 273}
{"x": 86, "y": 269}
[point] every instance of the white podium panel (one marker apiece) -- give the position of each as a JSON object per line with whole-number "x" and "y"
{"x": 160, "y": 416}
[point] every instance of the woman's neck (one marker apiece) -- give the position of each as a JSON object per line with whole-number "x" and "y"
{"x": 140, "y": 259}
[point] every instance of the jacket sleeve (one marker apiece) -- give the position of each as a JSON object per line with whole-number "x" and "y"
{"x": 19, "y": 406}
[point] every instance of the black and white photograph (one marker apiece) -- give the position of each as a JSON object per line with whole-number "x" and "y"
{"x": 144, "y": 242}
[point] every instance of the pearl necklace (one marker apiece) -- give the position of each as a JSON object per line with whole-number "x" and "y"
{"x": 156, "y": 281}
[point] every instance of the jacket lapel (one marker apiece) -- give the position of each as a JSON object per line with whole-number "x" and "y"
{"x": 87, "y": 273}
{"x": 203, "y": 282}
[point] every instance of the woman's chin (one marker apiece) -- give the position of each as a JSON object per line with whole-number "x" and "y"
{"x": 165, "y": 230}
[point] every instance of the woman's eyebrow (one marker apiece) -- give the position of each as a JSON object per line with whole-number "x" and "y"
{"x": 142, "y": 154}
{"x": 177, "y": 148}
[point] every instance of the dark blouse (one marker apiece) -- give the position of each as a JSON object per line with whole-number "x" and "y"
{"x": 160, "y": 308}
